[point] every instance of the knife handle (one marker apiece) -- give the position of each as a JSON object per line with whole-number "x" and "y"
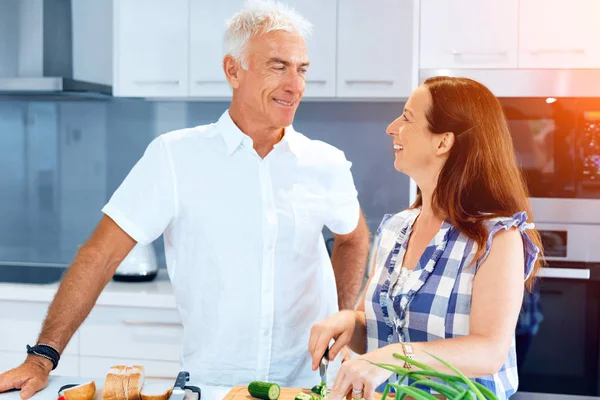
{"x": 195, "y": 389}
{"x": 326, "y": 355}
{"x": 182, "y": 379}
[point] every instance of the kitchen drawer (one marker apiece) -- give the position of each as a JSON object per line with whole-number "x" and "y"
{"x": 99, "y": 366}
{"x": 135, "y": 333}
{"x": 22, "y": 322}
{"x": 68, "y": 365}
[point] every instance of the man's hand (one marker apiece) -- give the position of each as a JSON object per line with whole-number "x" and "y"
{"x": 30, "y": 377}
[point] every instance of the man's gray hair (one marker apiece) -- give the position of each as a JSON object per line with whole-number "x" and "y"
{"x": 261, "y": 16}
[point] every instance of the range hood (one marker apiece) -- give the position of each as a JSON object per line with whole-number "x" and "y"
{"x": 529, "y": 82}
{"x": 36, "y": 51}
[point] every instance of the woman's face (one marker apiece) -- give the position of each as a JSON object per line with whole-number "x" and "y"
{"x": 415, "y": 147}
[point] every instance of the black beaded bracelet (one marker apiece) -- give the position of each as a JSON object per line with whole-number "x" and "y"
{"x": 46, "y": 351}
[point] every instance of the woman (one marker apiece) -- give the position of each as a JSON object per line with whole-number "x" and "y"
{"x": 448, "y": 273}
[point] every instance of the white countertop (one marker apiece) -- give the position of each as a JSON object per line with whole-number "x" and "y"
{"x": 56, "y": 382}
{"x": 155, "y": 294}
{"x": 217, "y": 393}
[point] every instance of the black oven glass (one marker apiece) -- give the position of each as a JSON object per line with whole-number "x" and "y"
{"x": 557, "y": 145}
{"x": 554, "y": 243}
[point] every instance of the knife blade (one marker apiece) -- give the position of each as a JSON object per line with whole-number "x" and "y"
{"x": 323, "y": 366}
{"x": 179, "y": 387}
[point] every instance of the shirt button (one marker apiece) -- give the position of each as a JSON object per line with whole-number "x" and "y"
{"x": 266, "y": 333}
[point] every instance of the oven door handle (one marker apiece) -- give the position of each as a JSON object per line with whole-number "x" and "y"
{"x": 565, "y": 273}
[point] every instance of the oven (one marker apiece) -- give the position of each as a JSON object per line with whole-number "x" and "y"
{"x": 557, "y": 144}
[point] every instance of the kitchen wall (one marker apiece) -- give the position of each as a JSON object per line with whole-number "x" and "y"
{"x": 60, "y": 160}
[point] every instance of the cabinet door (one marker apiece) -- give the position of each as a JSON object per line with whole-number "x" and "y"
{"x": 556, "y": 34}
{"x": 375, "y": 48}
{"x": 25, "y": 321}
{"x": 151, "y": 45}
{"x": 469, "y": 34}
{"x": 207, "y": 28}
{"x": 67, "y": 366}
{"x": 135, "y": 333}
{"x": 320, "y": 79}
{"x": 99, "y": 366}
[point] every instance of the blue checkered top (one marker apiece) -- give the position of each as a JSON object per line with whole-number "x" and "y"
{"x": 438, "y": 304}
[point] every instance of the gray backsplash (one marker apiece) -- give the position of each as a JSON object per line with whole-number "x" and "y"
{"x": 61, "y": 160}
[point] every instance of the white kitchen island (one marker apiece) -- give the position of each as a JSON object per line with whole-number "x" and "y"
{"x": 131, "y": 324}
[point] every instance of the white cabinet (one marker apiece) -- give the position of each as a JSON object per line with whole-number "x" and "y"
{"x": 151, "y": 48}
{"x": 207, "y": 29}
{"x": 21, "y": 324}
{"x": 99, "y": 366}
{"x": 132, "y": 333}
{"x": 109, "y": 336}
{"x": 175, "y": 49}
{"x": 374, "y": 48}
{"x": 469, "y": 34}
{"x": 68, "y": 365}
{"x": 320, "y": 79}
{"x": 23, "y": 321}
{"x": 555, "y": 34}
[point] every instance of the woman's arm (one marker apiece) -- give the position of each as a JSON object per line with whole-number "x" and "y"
{"x": 497, "y": 297}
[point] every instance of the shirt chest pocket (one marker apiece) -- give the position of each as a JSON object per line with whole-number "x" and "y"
{"x": 308, "y": 212}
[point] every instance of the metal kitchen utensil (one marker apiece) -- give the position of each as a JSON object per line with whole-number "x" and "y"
{"x": 180, "y": 387}
{"x": 323, "y": 366}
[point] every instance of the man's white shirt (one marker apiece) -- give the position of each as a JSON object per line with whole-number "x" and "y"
{"x": 243, "y": 244}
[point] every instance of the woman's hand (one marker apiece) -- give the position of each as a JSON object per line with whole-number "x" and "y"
{"x": 358, "y": 378}
{"x": 339, "y": 327}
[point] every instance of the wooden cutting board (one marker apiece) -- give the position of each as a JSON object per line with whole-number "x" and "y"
{"x": 241, "y": 393}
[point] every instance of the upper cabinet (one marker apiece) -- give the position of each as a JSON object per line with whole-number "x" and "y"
{"x": 375, "y": 49}
{"x": 175, "y": 49}
{"x": 320, "y": 78}
{"x": 207, "y": 30}
{"x": 469, "y": 34}
{"x": 558, "y": 34}
{"x": 151, "y": 48}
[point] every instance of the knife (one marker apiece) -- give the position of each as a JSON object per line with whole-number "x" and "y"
{"x": 179, "y": 388}
{"x": 323, "y": 366}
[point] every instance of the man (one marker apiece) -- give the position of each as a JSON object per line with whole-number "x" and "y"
{"x": 241, "y": 204}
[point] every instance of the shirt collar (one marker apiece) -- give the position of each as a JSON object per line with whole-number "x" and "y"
{"x": 234, "y": 137}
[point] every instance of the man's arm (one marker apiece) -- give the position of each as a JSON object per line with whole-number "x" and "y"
{"x": 349, "y": 259}
{"x": 92, "y": 269}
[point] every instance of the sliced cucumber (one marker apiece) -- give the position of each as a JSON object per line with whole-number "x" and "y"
{"x": 305, "y": 396}
{"x": 264, "y": 390}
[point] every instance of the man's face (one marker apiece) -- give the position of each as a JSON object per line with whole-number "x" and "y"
{"x": 273, "y": 84}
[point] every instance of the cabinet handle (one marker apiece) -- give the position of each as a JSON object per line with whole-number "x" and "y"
{"x": 222, "y": 82}
{"x": 479, "y": 53}
{"x": 165, "y": 82}
{"x": 151, "y": 323}
{"x": 565, "y": 273}
{"x": 557, "y": 51}
{"x": 369, "y": 82}
{"x": 312, "y": 82}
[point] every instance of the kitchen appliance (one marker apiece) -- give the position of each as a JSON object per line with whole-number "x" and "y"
{"x": 44, "y": 42}
{"x": 140, "y": 265}
{"x": 557, "y": 145}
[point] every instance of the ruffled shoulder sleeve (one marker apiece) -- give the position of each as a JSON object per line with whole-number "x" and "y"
{"x": 390, "y": 229}
{"x": 518, "y": 220}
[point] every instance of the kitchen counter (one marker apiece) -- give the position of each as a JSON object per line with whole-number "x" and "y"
{"x": 217, "y": 393}
{"x": 155, "y": 294}
{"x": 55, "y": 383}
